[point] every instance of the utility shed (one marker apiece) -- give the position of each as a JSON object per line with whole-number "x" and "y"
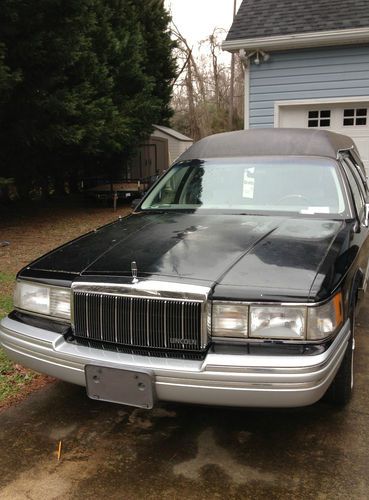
{"x": 306, "y": 65}
{"x": 157, "y": 153}
{"x": 177, "y": 142}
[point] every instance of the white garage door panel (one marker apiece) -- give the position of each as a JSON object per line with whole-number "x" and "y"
{"x": 297, "y": 116}
{"x": 362, "y": 144}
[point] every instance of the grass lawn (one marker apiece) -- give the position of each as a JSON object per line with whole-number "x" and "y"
{"x": 9, "y": 378}
{"x": 32, "y": 230}
{"x": 6, "y": 285}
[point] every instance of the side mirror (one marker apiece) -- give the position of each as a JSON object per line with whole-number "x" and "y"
{"x": 366, "y": 215}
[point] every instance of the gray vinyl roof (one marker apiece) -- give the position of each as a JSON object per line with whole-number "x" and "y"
{"x": 269, "y": 142}
{"x": 267, "y": 18}
{"x": 173, "y": 133}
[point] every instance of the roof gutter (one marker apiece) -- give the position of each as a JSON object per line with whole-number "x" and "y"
{"x": 300, "y": 40}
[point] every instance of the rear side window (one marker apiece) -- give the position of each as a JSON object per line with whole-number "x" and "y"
{"x": 358, "y": 176}
{"x": 356, "y": 191}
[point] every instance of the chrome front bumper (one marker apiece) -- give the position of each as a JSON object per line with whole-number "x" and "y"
{"x": 219, "y": 379}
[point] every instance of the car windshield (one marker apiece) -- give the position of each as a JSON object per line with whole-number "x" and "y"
{"x": 304, "y": 186}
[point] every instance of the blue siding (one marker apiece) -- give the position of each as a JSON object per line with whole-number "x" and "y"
{"x": 307, "y": 74}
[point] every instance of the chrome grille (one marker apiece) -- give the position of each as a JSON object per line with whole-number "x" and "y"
{"x": 145, "y": 322}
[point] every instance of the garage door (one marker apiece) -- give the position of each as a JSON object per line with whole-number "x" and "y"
{"x": 351, "y": 118}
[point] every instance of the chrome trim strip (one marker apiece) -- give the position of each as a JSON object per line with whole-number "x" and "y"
{"x": 267, "y": 341}
{"x": 182, "y": 325}
{"x": 209, "y": 384}
{"x": 116, "y": 320}
{"x": 165, "y": 323}
{"x": 147, "y": 289}
{"x": 270, "y": 303}
{"x": 101, "y": 325}
{"x": 131, "y": 319}
{"x": 205, "y": 323}
{"x": 148, "y": 324}
{"x": 131, "y": 296}
{"x": 87, "y": 325}
{"x": 72, "y": 309}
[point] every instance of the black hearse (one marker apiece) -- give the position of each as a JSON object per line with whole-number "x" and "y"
{"x": 234, "y": 282}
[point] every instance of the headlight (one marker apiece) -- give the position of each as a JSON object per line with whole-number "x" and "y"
{"x": 237, "y": 320}
{"x": 281, "y": 322}
{"x": 325, "y": 320}
{"x": 229, "y": 320}
{"x": 42, "y": 299}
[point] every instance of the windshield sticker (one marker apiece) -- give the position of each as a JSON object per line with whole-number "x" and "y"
{"x": 315, "y": 210}
{"x": 248, "y": 183}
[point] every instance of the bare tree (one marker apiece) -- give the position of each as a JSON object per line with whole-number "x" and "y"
{"x": 202, "y": 90}
{"x": 232, "y": 78}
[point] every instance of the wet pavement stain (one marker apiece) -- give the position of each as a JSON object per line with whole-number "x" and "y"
{"x": 182, "y": 451}
{"x": 210, "y": 453}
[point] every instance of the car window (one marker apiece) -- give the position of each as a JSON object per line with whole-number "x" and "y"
{"x": 288, "y": 185}
{"x": 356, "y": 192}
{"x": 358, "y": 176}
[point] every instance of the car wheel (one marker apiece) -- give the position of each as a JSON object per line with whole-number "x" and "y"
{"x": 340, "y": 391}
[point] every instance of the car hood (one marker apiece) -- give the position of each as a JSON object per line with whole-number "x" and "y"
{"x": 239, "y": 256}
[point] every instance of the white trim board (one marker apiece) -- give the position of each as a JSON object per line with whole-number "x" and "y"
{"x": 314, "y": 102}
{"x": 246, "y": 113}
{"x": 300, "y": 40}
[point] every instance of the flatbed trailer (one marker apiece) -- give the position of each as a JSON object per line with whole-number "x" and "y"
{"x": 122, "y": 190}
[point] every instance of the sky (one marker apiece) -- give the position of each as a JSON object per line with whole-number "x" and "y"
{"x": 196, "y": 19}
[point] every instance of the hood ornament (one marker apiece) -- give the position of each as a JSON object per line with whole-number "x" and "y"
{"x": 134, "y": 272}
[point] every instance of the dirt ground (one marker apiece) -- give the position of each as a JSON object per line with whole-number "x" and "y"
{"x": 35, "y": 228}
{"x": 27, "y": 231}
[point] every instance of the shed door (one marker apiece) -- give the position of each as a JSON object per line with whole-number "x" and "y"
{"x": 350, "y": 119}
{"x": 148, "y": 161}
{"x": 161, "y": 148}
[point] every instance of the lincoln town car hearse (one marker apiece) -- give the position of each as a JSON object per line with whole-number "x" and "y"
{"x": 235, "y": 281}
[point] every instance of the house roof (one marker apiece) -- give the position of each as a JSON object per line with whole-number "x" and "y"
{"x": 269, "y": 142}
{"x": 263, "y": 18}
{"x": 173, "y": 133}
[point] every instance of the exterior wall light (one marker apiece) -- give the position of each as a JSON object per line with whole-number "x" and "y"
{"x": 256, "y": 57}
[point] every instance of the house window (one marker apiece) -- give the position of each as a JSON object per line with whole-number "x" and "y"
{"x": 356, "y": 116}
{"x": 321, "y": 118}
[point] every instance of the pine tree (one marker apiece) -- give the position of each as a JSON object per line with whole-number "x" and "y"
{"x": 82, "y": 82}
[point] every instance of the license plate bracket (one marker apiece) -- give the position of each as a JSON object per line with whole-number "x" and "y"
{"x": 116, "y": 385}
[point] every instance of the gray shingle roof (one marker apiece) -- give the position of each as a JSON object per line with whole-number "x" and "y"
{"x": 173, "y": 133}
{"x": 264, "y": 18}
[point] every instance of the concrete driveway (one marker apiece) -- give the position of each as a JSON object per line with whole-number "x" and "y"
{"x": 178, "y": 451}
